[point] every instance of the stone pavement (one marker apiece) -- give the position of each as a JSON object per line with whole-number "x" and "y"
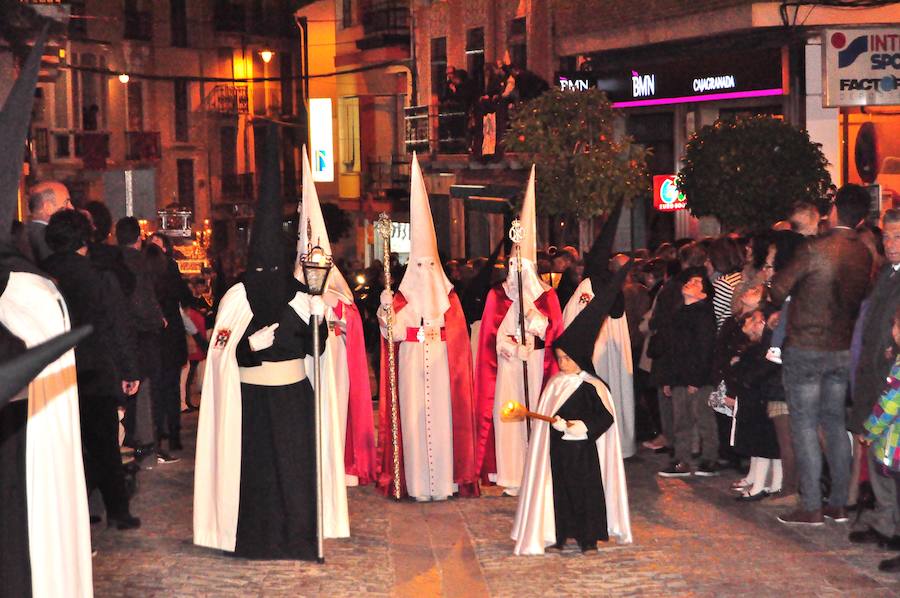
{"x": 691, "y": 539}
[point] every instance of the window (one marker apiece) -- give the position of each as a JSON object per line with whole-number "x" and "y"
{"x": 134, "y": 106}
{"x": 346, "y": 13}
{"x": 259, "y": 87}
{"x": 228, "y": 150}
{"x": 517, "y": 43}
{"x": 348, "y": 124}
{"x": 475, "y": 57}
{"x": 285, "y": 62}
{"x": 185, "y": 168}
{"x": 138, "y": 23}
{"x": 77, "y": 20}
{"x": 181, "y": 110}
{"x": 178, "y": 19}
{"x": 87, "y": 94}
{"x": 439, "y": 67}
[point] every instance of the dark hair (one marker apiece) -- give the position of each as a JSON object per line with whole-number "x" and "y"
{"x": 852, "y": 202}
{"x": 759, "y": 248}
{"x": 102, "y": 220}
{"x": 128, "y": 231}
{"x": 168, "y": 247}
{"x": 68, "y": 231}
{"x": 786, "y": 243}
{"x": 692, "y": 255}
{"x": 725, "y": 255}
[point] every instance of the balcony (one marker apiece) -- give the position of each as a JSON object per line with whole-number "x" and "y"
{"x": 444, "y": 129}
{"x": 138, "y": 25}
{"x": 142, "y": 146}
{"x": 93, "y": 149}
{"x": 237, "y": 186}
{"x": 228, "y": 100}
{"x": 230, "y": 17}
{"x": 385, "y": 23}
{"x": 417, "y": 125}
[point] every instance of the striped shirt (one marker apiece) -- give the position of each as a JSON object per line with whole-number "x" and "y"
{"x": 724, "y": 289}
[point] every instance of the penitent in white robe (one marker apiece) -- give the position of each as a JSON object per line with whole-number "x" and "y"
{"x": 612, "y": 362}
{"x": 534, "y": 527}
{"x": 59, "y": 537}
{"x": 511, "y": 437}
{"x": 423, "y": 381}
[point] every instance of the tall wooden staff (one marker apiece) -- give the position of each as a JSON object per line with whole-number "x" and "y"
{"x": 384, "y": 228}
{"x": 516, "y": 234}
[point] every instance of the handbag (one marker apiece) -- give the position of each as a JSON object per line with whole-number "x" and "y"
{"x": 716, "y": 400}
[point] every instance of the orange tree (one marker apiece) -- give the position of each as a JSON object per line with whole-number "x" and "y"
{"x": 747, "y": 172}
{"x": 583, "y": 168}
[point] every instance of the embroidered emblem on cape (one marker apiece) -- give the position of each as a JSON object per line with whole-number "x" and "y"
{"x": 585, "y": 298}
{"x": 222, "y": 338}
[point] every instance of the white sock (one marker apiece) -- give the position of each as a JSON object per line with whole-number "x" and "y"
{"x": 759, "y": 468}
{"x": 776, "y": 477}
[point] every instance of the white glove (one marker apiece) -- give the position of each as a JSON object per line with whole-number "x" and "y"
{"x": 507, "y": 349}
{"x": 317, "y": 306}
{"x": 576, "y": 428}
{"x": 387, "y": 299}
{"x": 263, "y": 338}
{"x": 523, "y": 352}
{"x": 559, "y": 424}
{"x": 536, "y": 323}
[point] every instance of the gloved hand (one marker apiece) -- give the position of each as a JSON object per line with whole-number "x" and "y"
{"x": 559, "y": 424}
{"x": 507, "y": 349}
{"x": 387, "y": 299}
{"x": 317, "y": 306}
{"x": 263, "y": 338}
{"x": 576, "y": 427}
{"x": 523, "y": 352}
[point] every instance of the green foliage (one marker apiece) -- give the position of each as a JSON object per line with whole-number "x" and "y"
{"x": 749, "y": 171}
{"x": 582, "y": 169}
{"x": 337, "y": 222}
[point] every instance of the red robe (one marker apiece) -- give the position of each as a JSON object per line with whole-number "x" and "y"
{"x": 459, "y": 353}
{"x": 359, "y": 448}
{"x": 495, "y": 307}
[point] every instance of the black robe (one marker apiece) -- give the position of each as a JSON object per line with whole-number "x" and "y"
{"x": 579, "y": 503}
{"x": 277, "y": 509}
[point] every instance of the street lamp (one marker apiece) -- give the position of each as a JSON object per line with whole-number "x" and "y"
{"x": 316, "y": 265}
{"x": 266, "y": 55}
{"x": 123, "y": 78}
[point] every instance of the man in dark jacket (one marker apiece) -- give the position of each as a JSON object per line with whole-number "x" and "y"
{"x": 687, "y": 376}
{"x": 827, "y": 280}
{"x": 104, "y": 361}
{"x": 875, "y": 360}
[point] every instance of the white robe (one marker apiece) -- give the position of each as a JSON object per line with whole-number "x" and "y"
{"x": 217, "y": 474}
{"x": 535, "y": 524}
{"x": 510, "y": 437}
{"x": 59, "y": 538}
{"x": 612, "y": 362}
{"x": 423, "y": 383}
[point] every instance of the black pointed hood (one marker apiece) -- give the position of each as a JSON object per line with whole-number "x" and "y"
{"x": 15, "y": 118}
{"x": 596, "y": 261}
{"x": 267, "y": 267}
{"x": 579, "y": 337}
{"x": 17, "y": 372}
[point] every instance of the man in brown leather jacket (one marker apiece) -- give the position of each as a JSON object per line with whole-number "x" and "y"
{"x": 827, "y": 280}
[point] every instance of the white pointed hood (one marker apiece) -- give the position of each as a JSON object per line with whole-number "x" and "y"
{"x": 310, "y": 212}
{"x": 532, "y": 284}
{"x": 425, "y": 285}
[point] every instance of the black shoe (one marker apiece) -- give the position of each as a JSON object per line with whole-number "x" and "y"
{"x": 892, "y": 543}
{"x": 588, "y": 548}
{"x": 675, "y": 470}
{"x": 176, "y": 445}
{"x": 144, "y": 450}
{"x": 164, "y": 457}
{"x": 707, "y": 469}
{"x": 890, "y": 565}
{"x": 751, "y": 497}
{"x": 558, "y": 547}
{"x": 868, "y": 536}
{"x": 124, "y": 522}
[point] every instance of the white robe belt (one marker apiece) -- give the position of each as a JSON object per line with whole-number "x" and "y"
{"x": 274, "y": 373}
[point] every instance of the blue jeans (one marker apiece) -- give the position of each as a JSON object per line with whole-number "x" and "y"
{"x": 815, "y": 384}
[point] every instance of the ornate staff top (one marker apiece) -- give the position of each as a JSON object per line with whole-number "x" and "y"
{"x": 516, "y": 232}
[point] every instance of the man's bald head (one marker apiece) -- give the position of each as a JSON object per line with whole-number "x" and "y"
{"x": 46, "y": 199}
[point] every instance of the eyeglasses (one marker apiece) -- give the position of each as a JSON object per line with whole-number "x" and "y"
{"x": 768, "y": 267}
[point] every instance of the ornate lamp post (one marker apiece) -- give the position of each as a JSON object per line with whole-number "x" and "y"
{"x": 316, "y": 266}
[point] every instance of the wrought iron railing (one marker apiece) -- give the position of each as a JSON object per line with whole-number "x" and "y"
{"x": 417, "y": 128}
{"x": 228, "y": 99}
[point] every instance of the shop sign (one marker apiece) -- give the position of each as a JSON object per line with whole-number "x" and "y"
{"x": 702, "y": 78}
{"x": 666, "y": 196}
{"x": 862, "y": 67}
{"x": 321, "y": 140}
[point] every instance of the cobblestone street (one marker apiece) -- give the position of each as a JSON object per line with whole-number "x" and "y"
{"x": 691, "y": 538}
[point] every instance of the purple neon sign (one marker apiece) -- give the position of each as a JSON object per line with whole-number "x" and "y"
{"x": 730, "y": 95}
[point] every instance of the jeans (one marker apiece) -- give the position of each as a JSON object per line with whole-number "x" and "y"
{"x": 693, "y": 410}
{"x": 815, "y": 385}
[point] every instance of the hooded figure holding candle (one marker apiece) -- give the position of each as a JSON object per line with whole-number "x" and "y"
{"x": 574, "y": 481}
{"x": 434, "y": 372}
{"x": 504, "y": 355}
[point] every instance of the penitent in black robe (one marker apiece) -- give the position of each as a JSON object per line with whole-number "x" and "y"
{"x": 579, "y": 503}
{"x": 277, "y": 509}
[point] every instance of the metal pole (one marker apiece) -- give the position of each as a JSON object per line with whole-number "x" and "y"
{"x": 318, "y": 415}
{"x": 384, "y": 227}
{"x": 522, "y": 335}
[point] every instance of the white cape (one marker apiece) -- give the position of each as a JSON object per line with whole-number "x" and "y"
{"x": 217, "y": 475}
{"x": 535, "y": 523}
{"x": 59, "y": 536}
{"x": 612, "y": 362}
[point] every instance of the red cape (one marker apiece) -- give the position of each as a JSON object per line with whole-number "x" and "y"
{"x": 495, "y": 307}
{"x": 459, "y": 353}
{"x": 359, "y": 448}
